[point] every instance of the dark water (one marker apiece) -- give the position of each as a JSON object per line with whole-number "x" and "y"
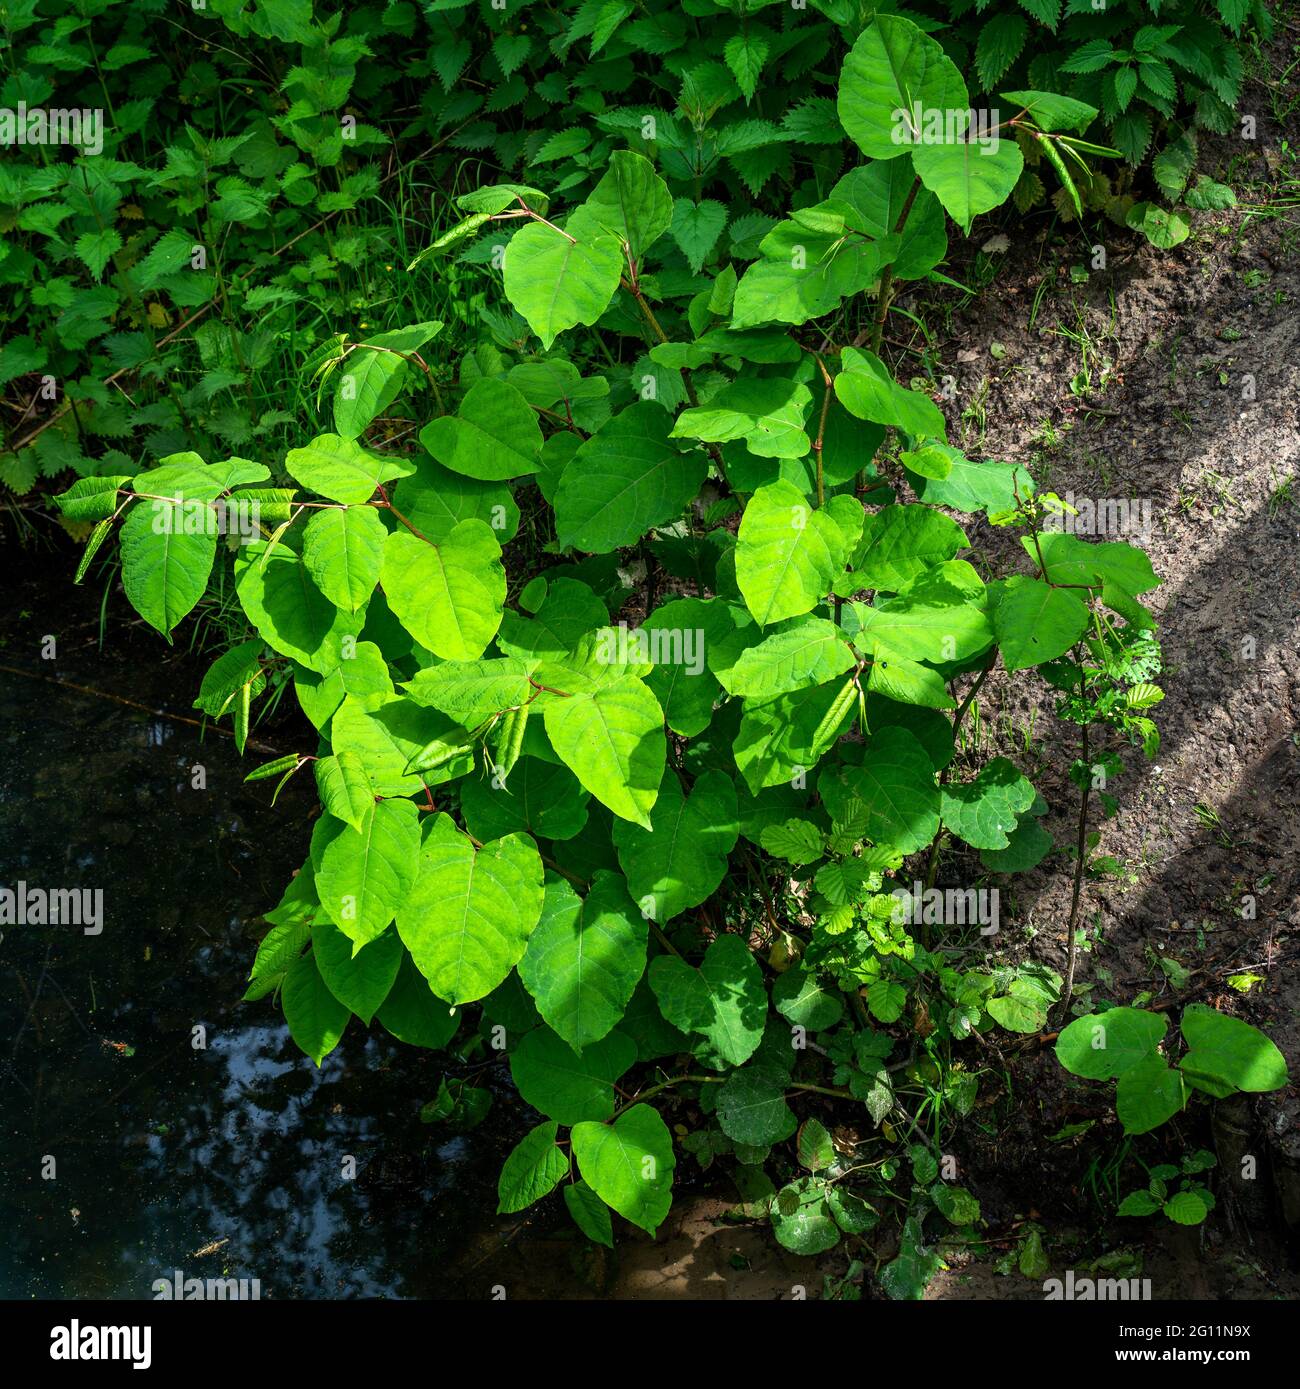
{"x": 124, "y": 1149}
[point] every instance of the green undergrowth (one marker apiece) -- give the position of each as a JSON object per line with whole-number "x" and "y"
{"x": 262, "y": 175}
{"x": 637, "y": 689}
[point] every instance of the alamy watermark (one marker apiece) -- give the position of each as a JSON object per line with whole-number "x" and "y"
{"x": 77, "y": 1342}
{"x": 53, "y": 906}
{"x": 936, "y": 125}
{"x": 37, "y": 125}
{"x": 1074, "y": 1289}
{"x": 660, "y": 646}
{"x": 178, "y": 1288}
{"x": 226, "y": 516}
{"x": 1094, "y": 516}
{"x": 947, "y": 906}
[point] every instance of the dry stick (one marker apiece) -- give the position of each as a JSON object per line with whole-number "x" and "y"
{"x": 932, "y": 866}
{"x": 1084, "y": 793}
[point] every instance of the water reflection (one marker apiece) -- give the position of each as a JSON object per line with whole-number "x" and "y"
{"x": 124, "y": 1147}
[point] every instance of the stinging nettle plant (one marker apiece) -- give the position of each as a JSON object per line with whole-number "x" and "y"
{"x": 672, "y": 603}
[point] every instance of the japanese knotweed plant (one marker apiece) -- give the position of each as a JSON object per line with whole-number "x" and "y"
{"x": 625, "y": 785}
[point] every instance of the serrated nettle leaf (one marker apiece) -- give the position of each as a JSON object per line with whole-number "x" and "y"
{"x": 624, "y": 480}
{"x": 494, "y": 434}
{"x": 448, "y": 595}
{"x": 585, "y": 957}
{"x": 679, "y": 861}
{"x": 467, "y": 919}
{"x": 342, "y": 470}
{"x": 696, "y": 228}
{"x": 745, "y": 54}
{"x": 556, "y": 281}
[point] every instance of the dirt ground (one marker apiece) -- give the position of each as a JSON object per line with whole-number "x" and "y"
{"x": 1191, "y": 405}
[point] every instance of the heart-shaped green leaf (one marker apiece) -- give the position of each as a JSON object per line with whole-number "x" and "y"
{"x": 467, "y": 919}
{"x": 629, "y": 1164}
